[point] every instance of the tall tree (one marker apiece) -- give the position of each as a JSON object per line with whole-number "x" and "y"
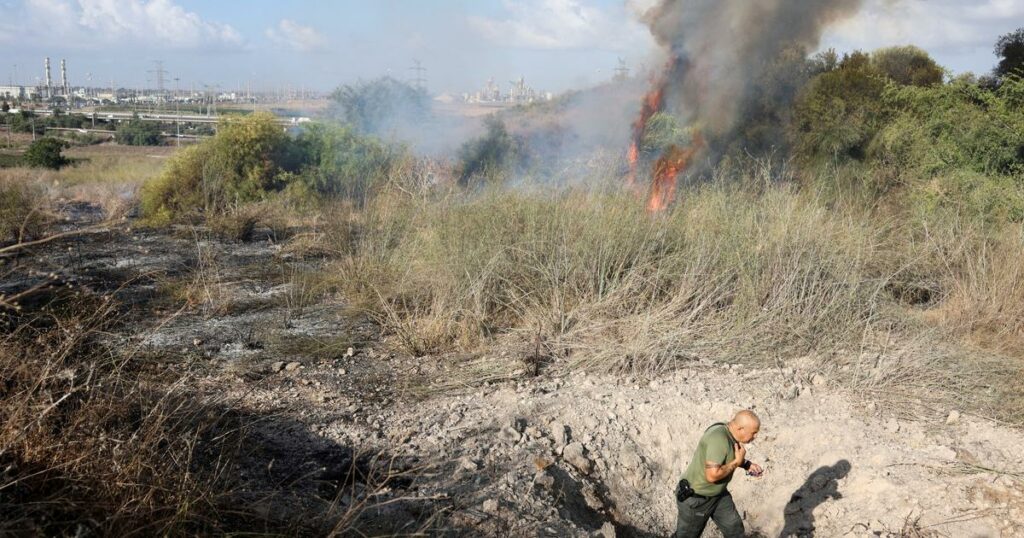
{"x": 907, "y": 66}
{"x": 1010, "y": 50}
{"x": 379, "y": 106}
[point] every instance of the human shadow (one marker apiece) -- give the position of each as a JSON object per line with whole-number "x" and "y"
{"x": 820, "y": 486}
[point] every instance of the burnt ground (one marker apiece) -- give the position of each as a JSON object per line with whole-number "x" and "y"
{"x": 344, "y": 419}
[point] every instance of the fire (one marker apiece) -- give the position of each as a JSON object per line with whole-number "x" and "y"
{"x": 634, "y": 157}
{"x": 651, "y": 105}
{"x": 673, "y": 160}
{"x": 667, "y": 169}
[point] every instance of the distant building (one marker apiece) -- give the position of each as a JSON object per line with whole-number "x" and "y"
{"x": 519, "y": 93}
{"x": 18, "y": 92}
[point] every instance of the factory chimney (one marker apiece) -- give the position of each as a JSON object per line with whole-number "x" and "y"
{"x": 64, "y": 80}
{"x": 49, "y": 82}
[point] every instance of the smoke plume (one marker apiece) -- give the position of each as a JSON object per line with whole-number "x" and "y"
{"x": 717, "y": 48}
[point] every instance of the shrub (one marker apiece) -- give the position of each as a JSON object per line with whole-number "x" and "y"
{"x": 378, "y": 106}
{"x": 253, "y": 159}
{"x": 241, "y": 164}
{"x": 337, "y": 162}
{"x": 179, "y": 189}
{"x": 907, "y": 66}
{"x": 839, "y": 112}
{"x": 663, "y": 130}
{"x": 490, "y": 158}
{"x": 956, "y": 144}
{"x": 21, "y": 212}
{"x": 138, "y": 133}
{"x": 46, "y": 153}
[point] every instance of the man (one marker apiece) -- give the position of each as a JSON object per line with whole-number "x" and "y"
{"x": 719, "y": 453}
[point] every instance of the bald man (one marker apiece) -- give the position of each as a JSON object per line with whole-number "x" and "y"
{"x": 704, "y": 494}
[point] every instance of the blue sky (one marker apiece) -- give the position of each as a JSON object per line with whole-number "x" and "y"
{"x": 319, "y": 44}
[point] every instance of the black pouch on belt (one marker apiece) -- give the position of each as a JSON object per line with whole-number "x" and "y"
{"x": 683, "y": 490}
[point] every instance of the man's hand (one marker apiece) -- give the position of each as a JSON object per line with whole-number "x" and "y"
{"x": 741, "y": 454}
{"x": 755, "y": 470}
{"x": 714, "y": 472}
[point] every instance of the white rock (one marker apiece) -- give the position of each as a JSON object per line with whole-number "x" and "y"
{"x": 544, "y": 480}
{"x": 953, "y": 418}
{"x": 491, "y": 506}
{"x": 560, "y": 433}
{"x": 576, "y": 455}
{"x": 292, "y": 366}
{"x": 509, "y": 434}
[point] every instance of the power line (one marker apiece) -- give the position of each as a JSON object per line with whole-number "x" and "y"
{"x": 418, "y": 80}
{"x": 159, "y": 71}
{"x": 621, "y": 72}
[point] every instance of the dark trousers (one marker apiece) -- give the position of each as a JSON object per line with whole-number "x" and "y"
{"x": 694, "y": 513}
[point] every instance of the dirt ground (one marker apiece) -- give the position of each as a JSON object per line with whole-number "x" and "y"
{"x": 553, "y": 454}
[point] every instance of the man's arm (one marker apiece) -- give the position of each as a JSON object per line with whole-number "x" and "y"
{"x": 714, "y": 471}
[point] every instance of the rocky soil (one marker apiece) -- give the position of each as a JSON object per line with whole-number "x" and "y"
{"x": 553, "y": 454}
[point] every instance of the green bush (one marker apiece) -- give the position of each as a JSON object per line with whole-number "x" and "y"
{"x": 490, "y": 158}
{"x": 839, "y": 112}
{"x": 955, "y": 126}
{"x": 956, "y": 145}
{"x": 663, "y": 131}
{"x": 179, "y": 188}
{"x": 252, "y": 158}
{"x": 377, "y": 106}
{"x": 240, "y": 164}
{"x": 45, "y": 153}
{"x": 138, "y": 133}
{"x": 907, "y": 66}
{"x": 338, "y": 162}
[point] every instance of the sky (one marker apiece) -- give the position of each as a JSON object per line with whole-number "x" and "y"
{"x": 320, "y": 44}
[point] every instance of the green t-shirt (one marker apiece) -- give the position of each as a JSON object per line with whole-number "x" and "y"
{"x": 715, "y": 445}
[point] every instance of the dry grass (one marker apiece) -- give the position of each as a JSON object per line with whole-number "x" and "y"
{"x": 605, "y": 282}
{"x": 746, "y": 270}
{"x": 93, "y": 439}
{"x": 108, "y": 176}
{"x": 98, "y": 438}
{"x": 203, "y": 286}
{"x": 23, "y": 211}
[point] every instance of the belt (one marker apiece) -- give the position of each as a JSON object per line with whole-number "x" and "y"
{"x": 699, "y": 496}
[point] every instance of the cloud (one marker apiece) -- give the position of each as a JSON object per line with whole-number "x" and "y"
{"x": 99, "y": 23}
{"x": 937, "y": 25}
{"x": 297, "y": 37}
{"x": 559, "y": 24}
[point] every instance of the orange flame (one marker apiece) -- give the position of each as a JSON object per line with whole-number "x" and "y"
{"x": 667, "y": 169}
{"x": 673, "y": 160}
{"x": 651, "y": 105}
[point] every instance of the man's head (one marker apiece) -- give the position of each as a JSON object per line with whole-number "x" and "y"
{"x": 744, "y": 426}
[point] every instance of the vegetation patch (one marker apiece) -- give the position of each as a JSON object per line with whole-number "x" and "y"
{"x": 253, "y": 159}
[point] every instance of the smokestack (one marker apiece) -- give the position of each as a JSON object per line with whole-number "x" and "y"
{"x": 64, "y": 78}
{"x": 49, "y": 81}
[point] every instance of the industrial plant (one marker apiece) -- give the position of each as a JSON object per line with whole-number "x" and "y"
{"x": 45, "y": 93}
{"x": 519, "y": 93}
